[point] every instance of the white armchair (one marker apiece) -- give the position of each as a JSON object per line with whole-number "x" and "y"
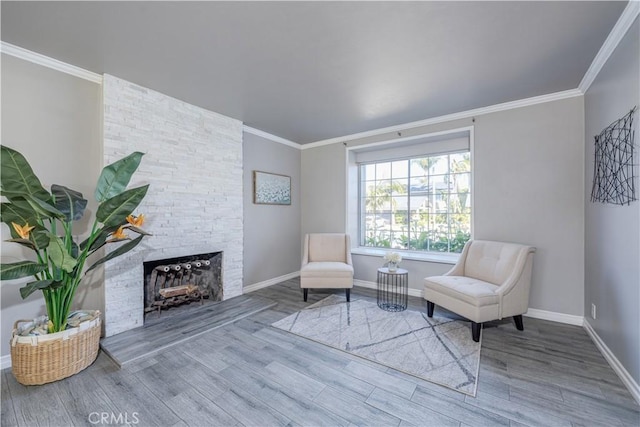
{"x": 326, "y": 263}
{"x": 490, "y": 281}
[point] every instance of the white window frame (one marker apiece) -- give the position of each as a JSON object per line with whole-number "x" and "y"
{"x": 353, "y": 188}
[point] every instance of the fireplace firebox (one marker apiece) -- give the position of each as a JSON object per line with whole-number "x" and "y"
{"x": 174, "y": 283}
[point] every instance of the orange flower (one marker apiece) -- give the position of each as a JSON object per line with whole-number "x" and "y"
{"x": 136, "y": 221}
{"x": 119, "y": 234}
{"x": 23, "y": 231}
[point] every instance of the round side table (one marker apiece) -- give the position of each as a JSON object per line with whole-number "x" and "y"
{"x": 393, "y": 289}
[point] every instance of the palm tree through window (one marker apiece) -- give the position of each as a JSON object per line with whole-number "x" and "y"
{"x": 421, "y": 203}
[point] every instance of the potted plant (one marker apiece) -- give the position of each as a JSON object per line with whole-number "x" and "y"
{"x": 42, "y": 221}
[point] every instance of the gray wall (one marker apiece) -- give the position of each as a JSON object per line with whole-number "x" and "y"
{"x": 528, "y": 188}
{"x": 53, "y": 119}
{"x": 272, "y": 242}
{"x": 612, "y": 233}
{"x": 323, "y": 189}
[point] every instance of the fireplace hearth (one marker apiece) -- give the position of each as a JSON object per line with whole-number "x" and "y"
{"x": 172, "y": 284}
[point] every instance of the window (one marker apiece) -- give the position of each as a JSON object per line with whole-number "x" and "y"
{"x": 421, "y": 203}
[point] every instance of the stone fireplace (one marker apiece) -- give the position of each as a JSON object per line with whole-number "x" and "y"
{"x": 193, "y": 163}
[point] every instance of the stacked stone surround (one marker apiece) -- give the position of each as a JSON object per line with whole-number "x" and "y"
{"x": 193, "y": 163}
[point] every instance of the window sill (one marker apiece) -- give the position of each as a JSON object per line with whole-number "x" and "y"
{"x": 437, "y": 257}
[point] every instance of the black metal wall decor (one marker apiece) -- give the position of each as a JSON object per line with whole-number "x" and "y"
{"x": 614, "y": 167}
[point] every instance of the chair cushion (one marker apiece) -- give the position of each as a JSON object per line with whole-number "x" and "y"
{"x": 473, "y": 291}
{"x": 326, "y": 269}
{"x": 491, "y": 262}
{"x": 327, "y": 247}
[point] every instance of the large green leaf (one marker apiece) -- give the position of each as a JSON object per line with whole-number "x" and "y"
{"x": 115, "y": 210}
{"x": 40, "y": 237}
{"x": 116, "y": 176}
{"x": 58, "y": 254}
{"x": 57, "y": 274}
{"x": 13, "y": 195}
{"x": 16, "y": 175}
{"x": 18, "y": 211}
{"x": 31, "y": 287}
{"x": 13, "y": 212}
{"x": 99, "y": 241}
{"x": 27, "y": 209}
{"x": 17, "y": 270}
{"x": 69, "y": 202}
{"x": 121, "y": 250}
{"x": 43, "y": 208}
{"x": 24, "y": 242}
{"x": 137, "y": 230}
{"x": 75, "y": 250}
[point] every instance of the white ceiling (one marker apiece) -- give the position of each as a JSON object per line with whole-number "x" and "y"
{"x": 309, "y": 71}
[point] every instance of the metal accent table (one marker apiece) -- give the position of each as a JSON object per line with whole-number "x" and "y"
{"x": 393, "y": 289}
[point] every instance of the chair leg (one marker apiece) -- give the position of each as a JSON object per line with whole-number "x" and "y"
{"x": 430, "y": 307}
{"x": 518, "y": 320}
{"x": 348, "y": 294}
{"x": 306, "y": 293}
{"x": 475, "y": 331}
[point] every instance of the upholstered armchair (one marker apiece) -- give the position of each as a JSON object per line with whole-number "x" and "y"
{"x": 490, "y": 281}
{"x": 326, "y": 262}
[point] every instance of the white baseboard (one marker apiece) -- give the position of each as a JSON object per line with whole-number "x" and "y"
{"x": 532, "y": 312}
{"x": 5, "y": 362}
{"x": 625, "y": 376}
{"x": 373, "y": 285}
{"x": 270, "y": 282}
{"x": 554, "y": 316}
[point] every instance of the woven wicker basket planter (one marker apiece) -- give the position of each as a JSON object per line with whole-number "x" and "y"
{"x": 47, "y": 358}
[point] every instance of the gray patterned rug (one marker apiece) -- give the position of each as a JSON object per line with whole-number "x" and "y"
{"x": 435, "y": 349}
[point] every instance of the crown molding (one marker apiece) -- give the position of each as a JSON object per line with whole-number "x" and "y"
{"x": 628, "y": 16}
{"x": 270, "y": 137}
{"x": 49, "y": 62}
{"x": 450, "y": 117}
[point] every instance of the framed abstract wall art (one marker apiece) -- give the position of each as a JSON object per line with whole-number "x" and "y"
{"x": 271, "y": 188}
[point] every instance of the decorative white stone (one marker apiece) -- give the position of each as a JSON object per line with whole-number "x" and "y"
{"x": 193, "y": 163}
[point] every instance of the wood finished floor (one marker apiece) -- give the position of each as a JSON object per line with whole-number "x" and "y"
{"x": 161, "y": 333}
{"x": 250, "y": 374}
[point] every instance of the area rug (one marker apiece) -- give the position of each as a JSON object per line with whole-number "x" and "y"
{"x": 437, "y": 349}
